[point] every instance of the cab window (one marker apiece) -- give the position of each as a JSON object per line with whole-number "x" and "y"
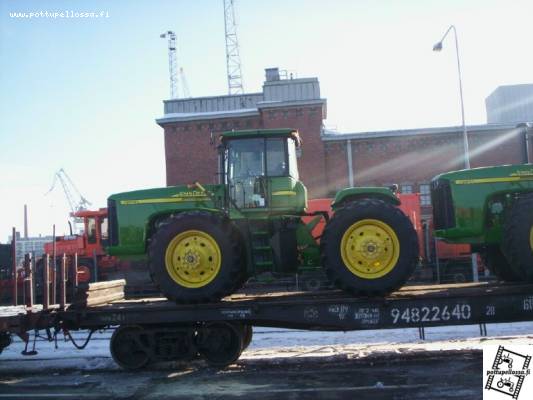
{"x": 104, "y": 231}
{"x": 246, "y": 158}
{"x": 91, "y": 230}
{"x": 276, "y": 160}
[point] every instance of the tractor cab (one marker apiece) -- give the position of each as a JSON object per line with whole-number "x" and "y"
{"x": 92, "y": 241}
{"x": 95, "y": 225}
{"x": 260, "y": 171}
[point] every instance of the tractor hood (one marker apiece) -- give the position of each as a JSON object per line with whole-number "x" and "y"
{"x": 502, "y": 173}
{"x": 169, "y": 195}
{"x": 133, "y": 215}
{"x": 463, "y": 201}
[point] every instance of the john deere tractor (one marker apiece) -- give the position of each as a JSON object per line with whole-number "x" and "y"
{"x": 204, "y": 241}
{"x": 492, "y": 209}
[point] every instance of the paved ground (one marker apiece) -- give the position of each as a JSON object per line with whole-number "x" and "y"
{"x": 419, "y": 375}
{"x": 279, "y": 364}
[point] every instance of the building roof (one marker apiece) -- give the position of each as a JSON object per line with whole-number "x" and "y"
{"x": 329, "y": 135}
{"x": 277, "y": 92}
{"x": 195, "y": 116}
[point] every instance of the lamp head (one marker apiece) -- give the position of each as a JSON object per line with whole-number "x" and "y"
{"x": 437, "y": 46}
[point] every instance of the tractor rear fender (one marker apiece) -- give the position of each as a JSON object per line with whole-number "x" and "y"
{"x": 351, "y": 194}
{"x": 155, "y": 220}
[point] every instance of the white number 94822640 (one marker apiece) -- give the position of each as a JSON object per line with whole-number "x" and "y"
{"x": 413, "y": 315}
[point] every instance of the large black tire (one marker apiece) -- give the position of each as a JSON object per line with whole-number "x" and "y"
{"x": 406, "y": 247}
{"x": 497, "y": 264}
{"x": 517, "y": 241}
{"x": 230, "y": 275}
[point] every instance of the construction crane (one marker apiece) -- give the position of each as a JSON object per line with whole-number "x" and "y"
{"x": 172, "y": 62}
{"x": 233, "y": 58}
{"x": 75, "y": 199}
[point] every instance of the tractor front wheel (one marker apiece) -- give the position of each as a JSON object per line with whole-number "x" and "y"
{"x": 517, "y": 243}
{"x": 196, "y": 257}
{"x": 369, "y": 247}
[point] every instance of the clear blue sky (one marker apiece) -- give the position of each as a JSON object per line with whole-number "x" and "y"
{"x": 83, "y": 94}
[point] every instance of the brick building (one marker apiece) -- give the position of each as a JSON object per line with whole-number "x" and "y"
{"x": 410, "y": 158}
{"x": 331, "y": 160}
{"x": 283, "y": 103}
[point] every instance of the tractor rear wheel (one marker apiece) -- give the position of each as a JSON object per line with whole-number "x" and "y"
{"x": 196, "y": 257}
{"x": 498, "y": 265}
{"x": 369, "y": 247}
{"x": 517, "y": 243}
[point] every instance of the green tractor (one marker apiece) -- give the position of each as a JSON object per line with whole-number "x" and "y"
{"x": 204, "y": 241}
{"x": 492, "y": 209}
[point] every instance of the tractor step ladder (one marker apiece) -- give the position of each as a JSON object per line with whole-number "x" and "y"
{"x": 262, "y": 257}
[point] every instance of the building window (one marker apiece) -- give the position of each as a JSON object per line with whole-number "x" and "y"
{"x": 425, "y": 196}
{"x": 248, "y": 123}
{"x": 407, "y": 188}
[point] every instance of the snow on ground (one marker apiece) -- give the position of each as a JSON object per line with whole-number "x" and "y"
{"x": 274, "y": 342}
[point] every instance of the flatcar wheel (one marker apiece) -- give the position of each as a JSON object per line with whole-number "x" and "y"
{"x": 247, "y": 336}
{"x": 128, "y": 347}
{"x": 221, "y": 343}
{"x": 5, "y": 340}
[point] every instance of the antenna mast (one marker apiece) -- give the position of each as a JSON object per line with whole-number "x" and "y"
{"x": 172, "y": 62}
{"x": 233, "y": 58}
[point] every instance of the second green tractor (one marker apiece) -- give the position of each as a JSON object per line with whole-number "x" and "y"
{"x": 204, "y": 241}
{"x": 491, "y": 209}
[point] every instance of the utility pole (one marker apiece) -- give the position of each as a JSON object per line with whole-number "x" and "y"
{"x": 438, "y": 47}
{"x": 233, "y": 58}
{"x": 172, "y": 62}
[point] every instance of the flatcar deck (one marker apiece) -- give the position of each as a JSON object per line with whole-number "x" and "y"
{"x": 411, "y": 306}
{"x": 415, "y": 306}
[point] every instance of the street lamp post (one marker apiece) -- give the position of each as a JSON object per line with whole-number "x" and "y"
{"x": 438, "y": 47}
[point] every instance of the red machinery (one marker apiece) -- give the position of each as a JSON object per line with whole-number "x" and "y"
{"x": 93, "y": 262}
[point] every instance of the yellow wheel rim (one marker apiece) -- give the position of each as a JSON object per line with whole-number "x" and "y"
{"x": 193, "y": 259}
{"x": 370, "y": 249}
